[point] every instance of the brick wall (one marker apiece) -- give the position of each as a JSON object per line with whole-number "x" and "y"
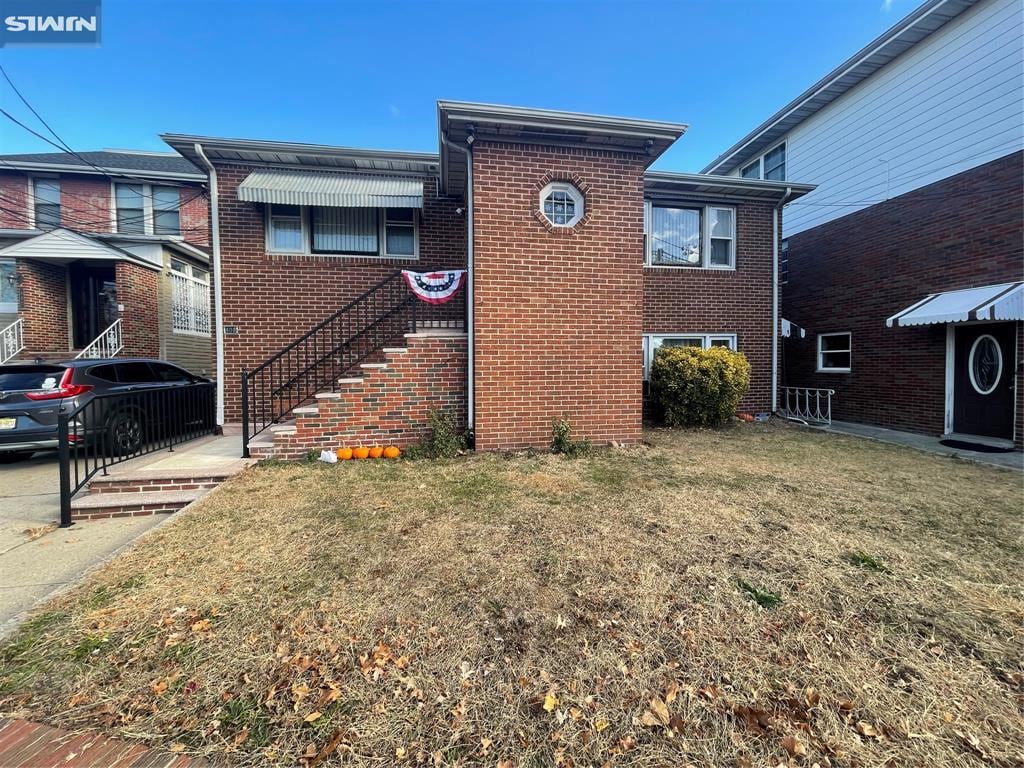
{"x": 85, "y": 203}
{"x": 195, "y": 216}
{"x": 683, "y": 300}
{"x": 137, "y": 292}
{"x": 44, "y": 305}
{"x": 852, "y": 273}
{"x": 272, "y": 299}
{"x": 558, "y": 321}
{"x": 13, "y": 200}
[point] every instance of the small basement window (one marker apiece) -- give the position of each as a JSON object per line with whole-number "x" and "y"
{"x": 834, "y": 352}
{"x": 654, "y": 342}
{"x": 561, "y": 204}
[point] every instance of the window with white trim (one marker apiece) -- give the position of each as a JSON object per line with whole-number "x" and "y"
{"x": 654, "y": 342}
{"x": 147, "y": 209}
{"x": 8, "y": 286}
{"x": 561, "y": 204}
{"x": 770, "y": 166}
{"x": 190, "y": 299}
{"x": 834, "y": 352}
{"x": 690, "y": 236}
{"x": 367, "y": 232}
{"x": 46, "y": 193}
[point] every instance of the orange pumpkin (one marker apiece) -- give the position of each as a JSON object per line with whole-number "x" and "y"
{"x": 361, "y": 452}
{"x": 344, "y": 454}
{"x": 392, "y": 452}
{"x": 376, "y": 452}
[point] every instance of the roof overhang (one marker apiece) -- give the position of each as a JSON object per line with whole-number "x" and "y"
{"x": 666, "y": 185}
{"x": 906, "y": 33}
{"x": 279, "y": 154}
{"x": 170, "y": 242}
{"x": 337, "y": 190}
{"x": 62, "y": 246}
{"x": 1004, "y": 301}
{"x": 88, "y": 170}
{"x": 458, "y": 120}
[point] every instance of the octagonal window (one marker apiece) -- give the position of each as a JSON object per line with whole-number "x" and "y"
{"x": 561, "y": 204}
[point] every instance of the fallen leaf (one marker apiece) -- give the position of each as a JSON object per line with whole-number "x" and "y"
{"x": 203, "y": 625}
{"x": 600, "y": 724}
{"x": 241, "y": 736}
{"x": 177, "y": 747}
{"x": 867, "y": 729}
{"x": 312, "y": 717}
{"x": 794, "y": 746}
{"x": 550, "y": 702}
{"x": 659, "y": 709}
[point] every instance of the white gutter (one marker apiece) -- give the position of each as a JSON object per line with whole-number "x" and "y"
{"x": 218, "y": 302}
{"x": 470, "y": 283}
{"x": 775, "y": 298}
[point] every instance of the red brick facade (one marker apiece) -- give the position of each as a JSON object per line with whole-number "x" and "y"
{"x": 678, "y": 300}
{"x": 388, "y": 404}
{"x": 558, "y": 311}
{"x": 852, "y": 273}
{"x": 14, "y": 213}
{"x": 43, "y": 291}
{"x": 137, "y": 293}
{"x": 271, "y": 299}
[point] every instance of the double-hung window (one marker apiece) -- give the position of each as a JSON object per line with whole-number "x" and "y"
{"x": 190, "y": 298}
{"x": 146, "y": 209}
{"x": 46, "y": 193}
{"x": 654, "y": 342}
{"x": 370, "y": 232}
{"x": 691, "y": 236}
{"x": 834, "y": 352}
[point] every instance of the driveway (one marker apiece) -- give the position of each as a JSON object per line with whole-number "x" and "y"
{"x": 36, "y": 557}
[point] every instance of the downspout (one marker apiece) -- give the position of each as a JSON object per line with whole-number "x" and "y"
{"x": 470, "y": 283}
{"x": 218, "y": 303}
{"x": 775, "y": 297}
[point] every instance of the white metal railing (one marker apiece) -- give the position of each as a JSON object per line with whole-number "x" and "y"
{"x": 190, "y": 304}
{"x": 12, "y": 340}
{"x": 807, "y": 404}
{"x": 107, "y": 344}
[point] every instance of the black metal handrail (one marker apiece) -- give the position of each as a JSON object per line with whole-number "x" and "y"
{"x": 111, "y": 427}
{"x": 333, "y": 347}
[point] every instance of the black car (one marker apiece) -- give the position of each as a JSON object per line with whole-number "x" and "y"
{"x": 124, "y": 415}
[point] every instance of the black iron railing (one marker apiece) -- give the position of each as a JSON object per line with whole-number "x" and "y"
{"x": 109, "y": 428}
{"x": 316, "y": 360}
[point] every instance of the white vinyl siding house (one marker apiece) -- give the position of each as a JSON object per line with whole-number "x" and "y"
{"x": 952, "y": 102}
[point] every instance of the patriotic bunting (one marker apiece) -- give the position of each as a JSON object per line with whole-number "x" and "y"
{"x": 435, "y": 287}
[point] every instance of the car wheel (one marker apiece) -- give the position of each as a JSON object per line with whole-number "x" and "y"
{"x": 125, "y": 433}
{"x": 13, "y": 456}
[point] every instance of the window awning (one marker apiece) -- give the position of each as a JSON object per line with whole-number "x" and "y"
{"x": 335, "y": 190}
{"x": 989, "y": 302}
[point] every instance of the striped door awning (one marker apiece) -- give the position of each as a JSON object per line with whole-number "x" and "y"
{"x": 1004, "y": 301}
{"x": 334, "y": 190}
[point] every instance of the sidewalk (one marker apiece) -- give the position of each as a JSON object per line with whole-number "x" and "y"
{"x": 37, "y": 558}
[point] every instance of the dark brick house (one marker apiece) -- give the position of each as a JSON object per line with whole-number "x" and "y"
{"x": 104, "y": 254}
{"x": 579, "y": 263}
{"x": 903, "y": 271}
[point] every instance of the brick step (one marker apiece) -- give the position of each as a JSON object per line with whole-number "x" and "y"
{"x": 94, "y": 506}
{"x": 47, "y": 357}
{"x": 143, "y": 481}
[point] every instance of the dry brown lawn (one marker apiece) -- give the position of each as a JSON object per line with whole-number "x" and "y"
{"x": 750, "y": 597}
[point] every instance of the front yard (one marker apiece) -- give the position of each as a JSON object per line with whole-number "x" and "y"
{"x": 746, "y": 597}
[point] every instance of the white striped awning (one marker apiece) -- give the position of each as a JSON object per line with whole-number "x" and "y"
{"x": 335, "y": 190}
{"x": 989, "y": 302}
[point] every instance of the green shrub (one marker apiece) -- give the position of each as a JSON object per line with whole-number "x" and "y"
{"x": 698, "y": 387}
{"x": 444, "y": 440}
{"x": 562, "y": 442}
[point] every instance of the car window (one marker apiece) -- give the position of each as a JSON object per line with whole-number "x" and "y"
{"x": 105, "y": 372}
{"x": 29, "y": 377}
{"x": 170, "y": 374}
{"x": 134, "y": 373}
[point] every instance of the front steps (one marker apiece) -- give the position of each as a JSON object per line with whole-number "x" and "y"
{"x": 387, "y": 403}
{"x": 46, "y": 357}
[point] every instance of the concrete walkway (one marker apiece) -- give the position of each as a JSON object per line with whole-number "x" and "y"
{"x": 37, "y": 558}
{"x": 1009, "y": 460}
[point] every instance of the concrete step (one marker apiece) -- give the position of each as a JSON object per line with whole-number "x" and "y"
{"x": 130, "y": 504}
{"x": 47, "y": 356}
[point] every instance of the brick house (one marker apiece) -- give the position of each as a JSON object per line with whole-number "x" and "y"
{"x": 904, "y": 269}
{"x": 104, "y": 254}
{"x": 579, "y": 262}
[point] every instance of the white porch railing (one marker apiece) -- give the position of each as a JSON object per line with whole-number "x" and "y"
{"x": 107, "y": 344}
{"x": 807, "y": 404}
{"x": 12, "y": 340}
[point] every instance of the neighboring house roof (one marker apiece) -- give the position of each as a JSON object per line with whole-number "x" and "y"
{"x": 60, "y": 246}
{"x": 284, "y": 154}
{"x": 914, "y": 28}
{"x": 164, "y": 165}
{"x": 666, "y": 185}
{"x": 458, "y": 120}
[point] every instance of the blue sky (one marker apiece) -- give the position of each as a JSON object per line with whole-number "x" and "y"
{"x": 367, "y": 74}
